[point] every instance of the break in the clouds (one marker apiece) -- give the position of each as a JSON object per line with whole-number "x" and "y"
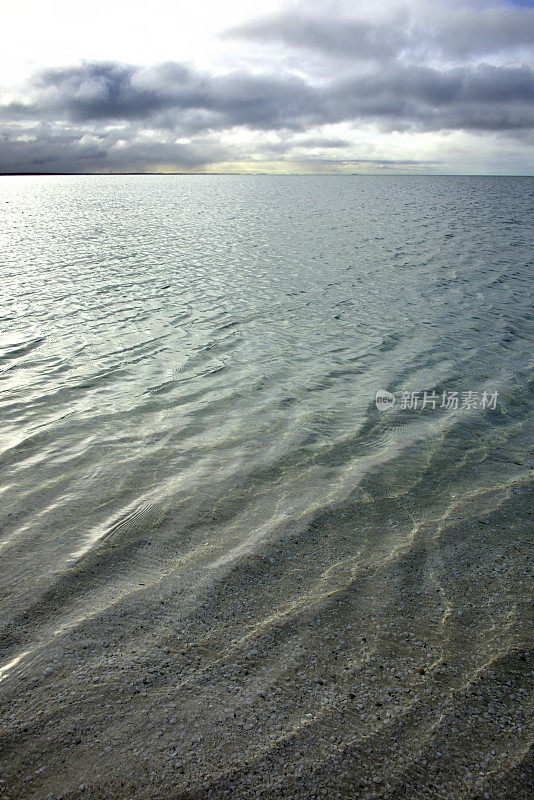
{"x": 331, "y": 86}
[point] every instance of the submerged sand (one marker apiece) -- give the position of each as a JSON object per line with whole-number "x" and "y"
{"x": 324, "y": 663}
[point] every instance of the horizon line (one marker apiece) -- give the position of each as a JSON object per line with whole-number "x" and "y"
{"x": 288, "y": 174}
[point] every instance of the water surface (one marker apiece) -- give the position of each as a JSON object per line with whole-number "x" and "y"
{"x": 191, "y": 454}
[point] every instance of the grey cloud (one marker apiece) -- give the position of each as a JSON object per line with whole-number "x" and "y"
{"x": 356, "y": 38}
{"x": 111, "y": 115}
{"x": 52, "y": 149}
{"x": 459, "y": 32}
{"x": 310, "y": 145}
{"x": 463, "y": 98}
{"x": 359, "y": 39}
{"x": 401, "y": 96}
{"x": 478, "y": 31}
{"x": 55, "y": 148}
{"x": 109, "y": 90}
{"x": 167, "y": 95}
{"x": 321, "y": 142}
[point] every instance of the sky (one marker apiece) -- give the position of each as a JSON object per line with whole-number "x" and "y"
{"x": 283, "y": 86}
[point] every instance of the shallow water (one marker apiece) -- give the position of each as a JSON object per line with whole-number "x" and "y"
{"x": 191, "y": 450}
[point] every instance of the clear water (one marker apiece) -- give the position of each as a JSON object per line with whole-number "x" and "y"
{"x": 188, "y": 370}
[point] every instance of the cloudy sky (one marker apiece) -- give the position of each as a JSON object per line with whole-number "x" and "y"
{"x": 428, "y": 86}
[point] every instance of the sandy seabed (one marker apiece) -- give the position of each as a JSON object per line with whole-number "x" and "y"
{"x": 301, "y": 668}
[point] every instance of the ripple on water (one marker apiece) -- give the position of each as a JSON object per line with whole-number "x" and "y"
{"x": 204, "y": 514}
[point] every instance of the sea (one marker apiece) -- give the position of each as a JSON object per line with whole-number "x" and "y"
{"x": 264, "y": 437}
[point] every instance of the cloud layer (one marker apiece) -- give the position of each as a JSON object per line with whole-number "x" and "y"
{"x": 442, "y": 30}
{"x": 326, "y": 78}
